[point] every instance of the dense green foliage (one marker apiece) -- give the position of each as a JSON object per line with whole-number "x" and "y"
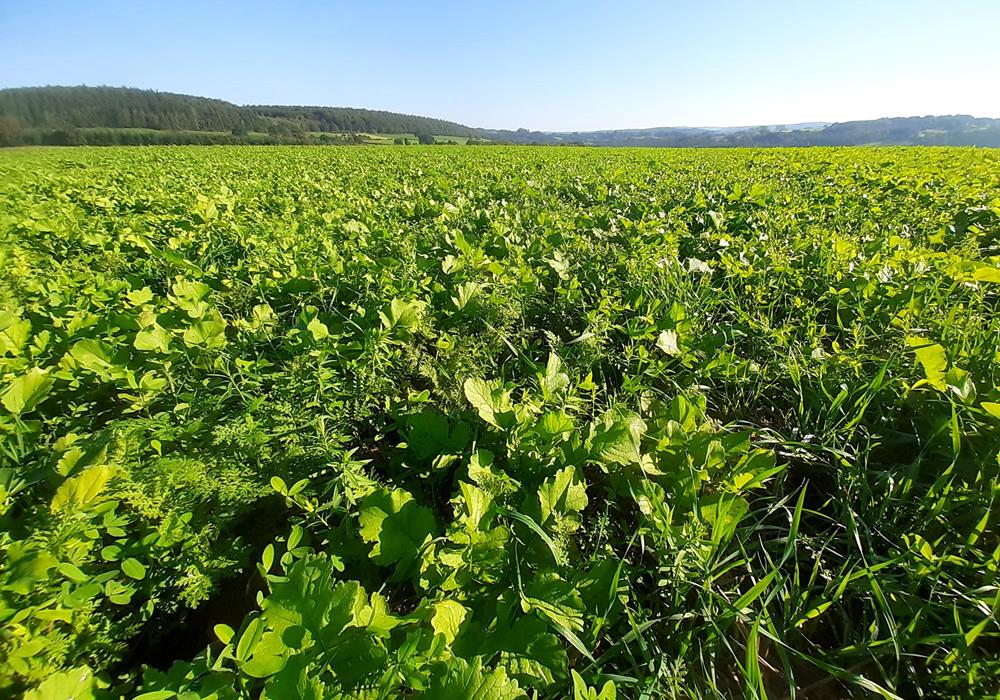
{"x": 499, "y": 423}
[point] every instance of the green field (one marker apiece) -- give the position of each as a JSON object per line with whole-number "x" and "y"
{"x": 101, "y": 136}
{"x": 389, "y": 139}
{"x": 301, "y": 422}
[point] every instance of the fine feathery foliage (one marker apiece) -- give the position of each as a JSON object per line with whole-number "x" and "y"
{"x": 499, "y": 423}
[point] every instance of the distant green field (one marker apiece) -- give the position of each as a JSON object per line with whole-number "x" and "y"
{"x": 147, "y": 137}
{"x": 386, "y": 139}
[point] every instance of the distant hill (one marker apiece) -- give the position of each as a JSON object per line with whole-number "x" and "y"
{"x": 109, "y": 115}
{"x": 65, "y": 108}
{"x": 957, "y": 130}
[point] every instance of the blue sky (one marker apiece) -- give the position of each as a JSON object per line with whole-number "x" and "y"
{"x": 540, "y": 65}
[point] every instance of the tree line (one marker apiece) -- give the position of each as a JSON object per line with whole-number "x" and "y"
{"x": 127, "y": 116}
{"x": 90, "y": 114}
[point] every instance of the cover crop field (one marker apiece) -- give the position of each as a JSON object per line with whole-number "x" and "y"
{"x": 495, "y": 423}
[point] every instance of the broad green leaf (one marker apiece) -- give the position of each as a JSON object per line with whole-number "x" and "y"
{"x": 154, "y": 340}
{"x": 987, "y": 274}
{"x": 307, "y": 596}
{"x": 617, "y": 439}
{"x": 723, "y": 512}
{"x": 494, "y": 482}
{"x": 933, "y": 359}
{"x": 209, "y": 333}
{"x": 396, "y": 525}
{"x": 93, "y": 355}
{"x": 27, "y": 391}
{"x": 561, "y": 494}
{"x": 961, "y": 384}
{"x": 466, "y": 293}
{"x": 190, "y": 297}
{"x": 667, "y": 342}
{"x": 269, "y": 656}
{"x": 554, "y": 424}
{"x": 74, "y": 684}
{"x": 296, "y": 681}
{"x": 430, "y": 434}
{"x": 402, "y": 314}
{"x": 553, "y": 380}
{"x": 138, "y": 297}
{"x": 248, "y": 640}
{"x": 72, "y": 572}
{"x": 318, "y": 330}
{"x": 581, "y": 691}
{"x": 376, "y": 617}
{"x": 133, "y": 568}
{"x": 527, "y": 649}
{"x": 447, "y": 617}
{"x": 82, "y": 490}
{"x": 491, "y": 401}
{"x": 470, "y": 681}
{"x": 14, "y": 333}
{"x": 555, "y": 599}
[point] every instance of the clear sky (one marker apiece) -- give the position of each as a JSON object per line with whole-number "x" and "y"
{"x": 560, "y": 65}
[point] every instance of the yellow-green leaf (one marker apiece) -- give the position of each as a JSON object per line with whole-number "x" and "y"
{"x": 74, "y": 684}
{"x": 133, "y": 568}
{"x": 27, "y": 391}
{"x": 318, "y": 329}
{"x": 156, "y": 339}
{"x": 667, "y": 342}
{"x": 82, "y": 490}
{"x": 933, "y": 359}
{"x": 447, "y": 618}
{"x": 987, "y": 274}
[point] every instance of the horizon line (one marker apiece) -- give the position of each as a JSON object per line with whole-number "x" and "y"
{"x": 798, "y": 122}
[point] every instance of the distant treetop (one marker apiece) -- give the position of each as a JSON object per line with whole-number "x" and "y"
{"x": 121, "y": 108}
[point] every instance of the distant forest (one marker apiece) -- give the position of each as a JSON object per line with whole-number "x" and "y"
{"x": 108, "y": 116}
{"x": 61, "y": 115}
